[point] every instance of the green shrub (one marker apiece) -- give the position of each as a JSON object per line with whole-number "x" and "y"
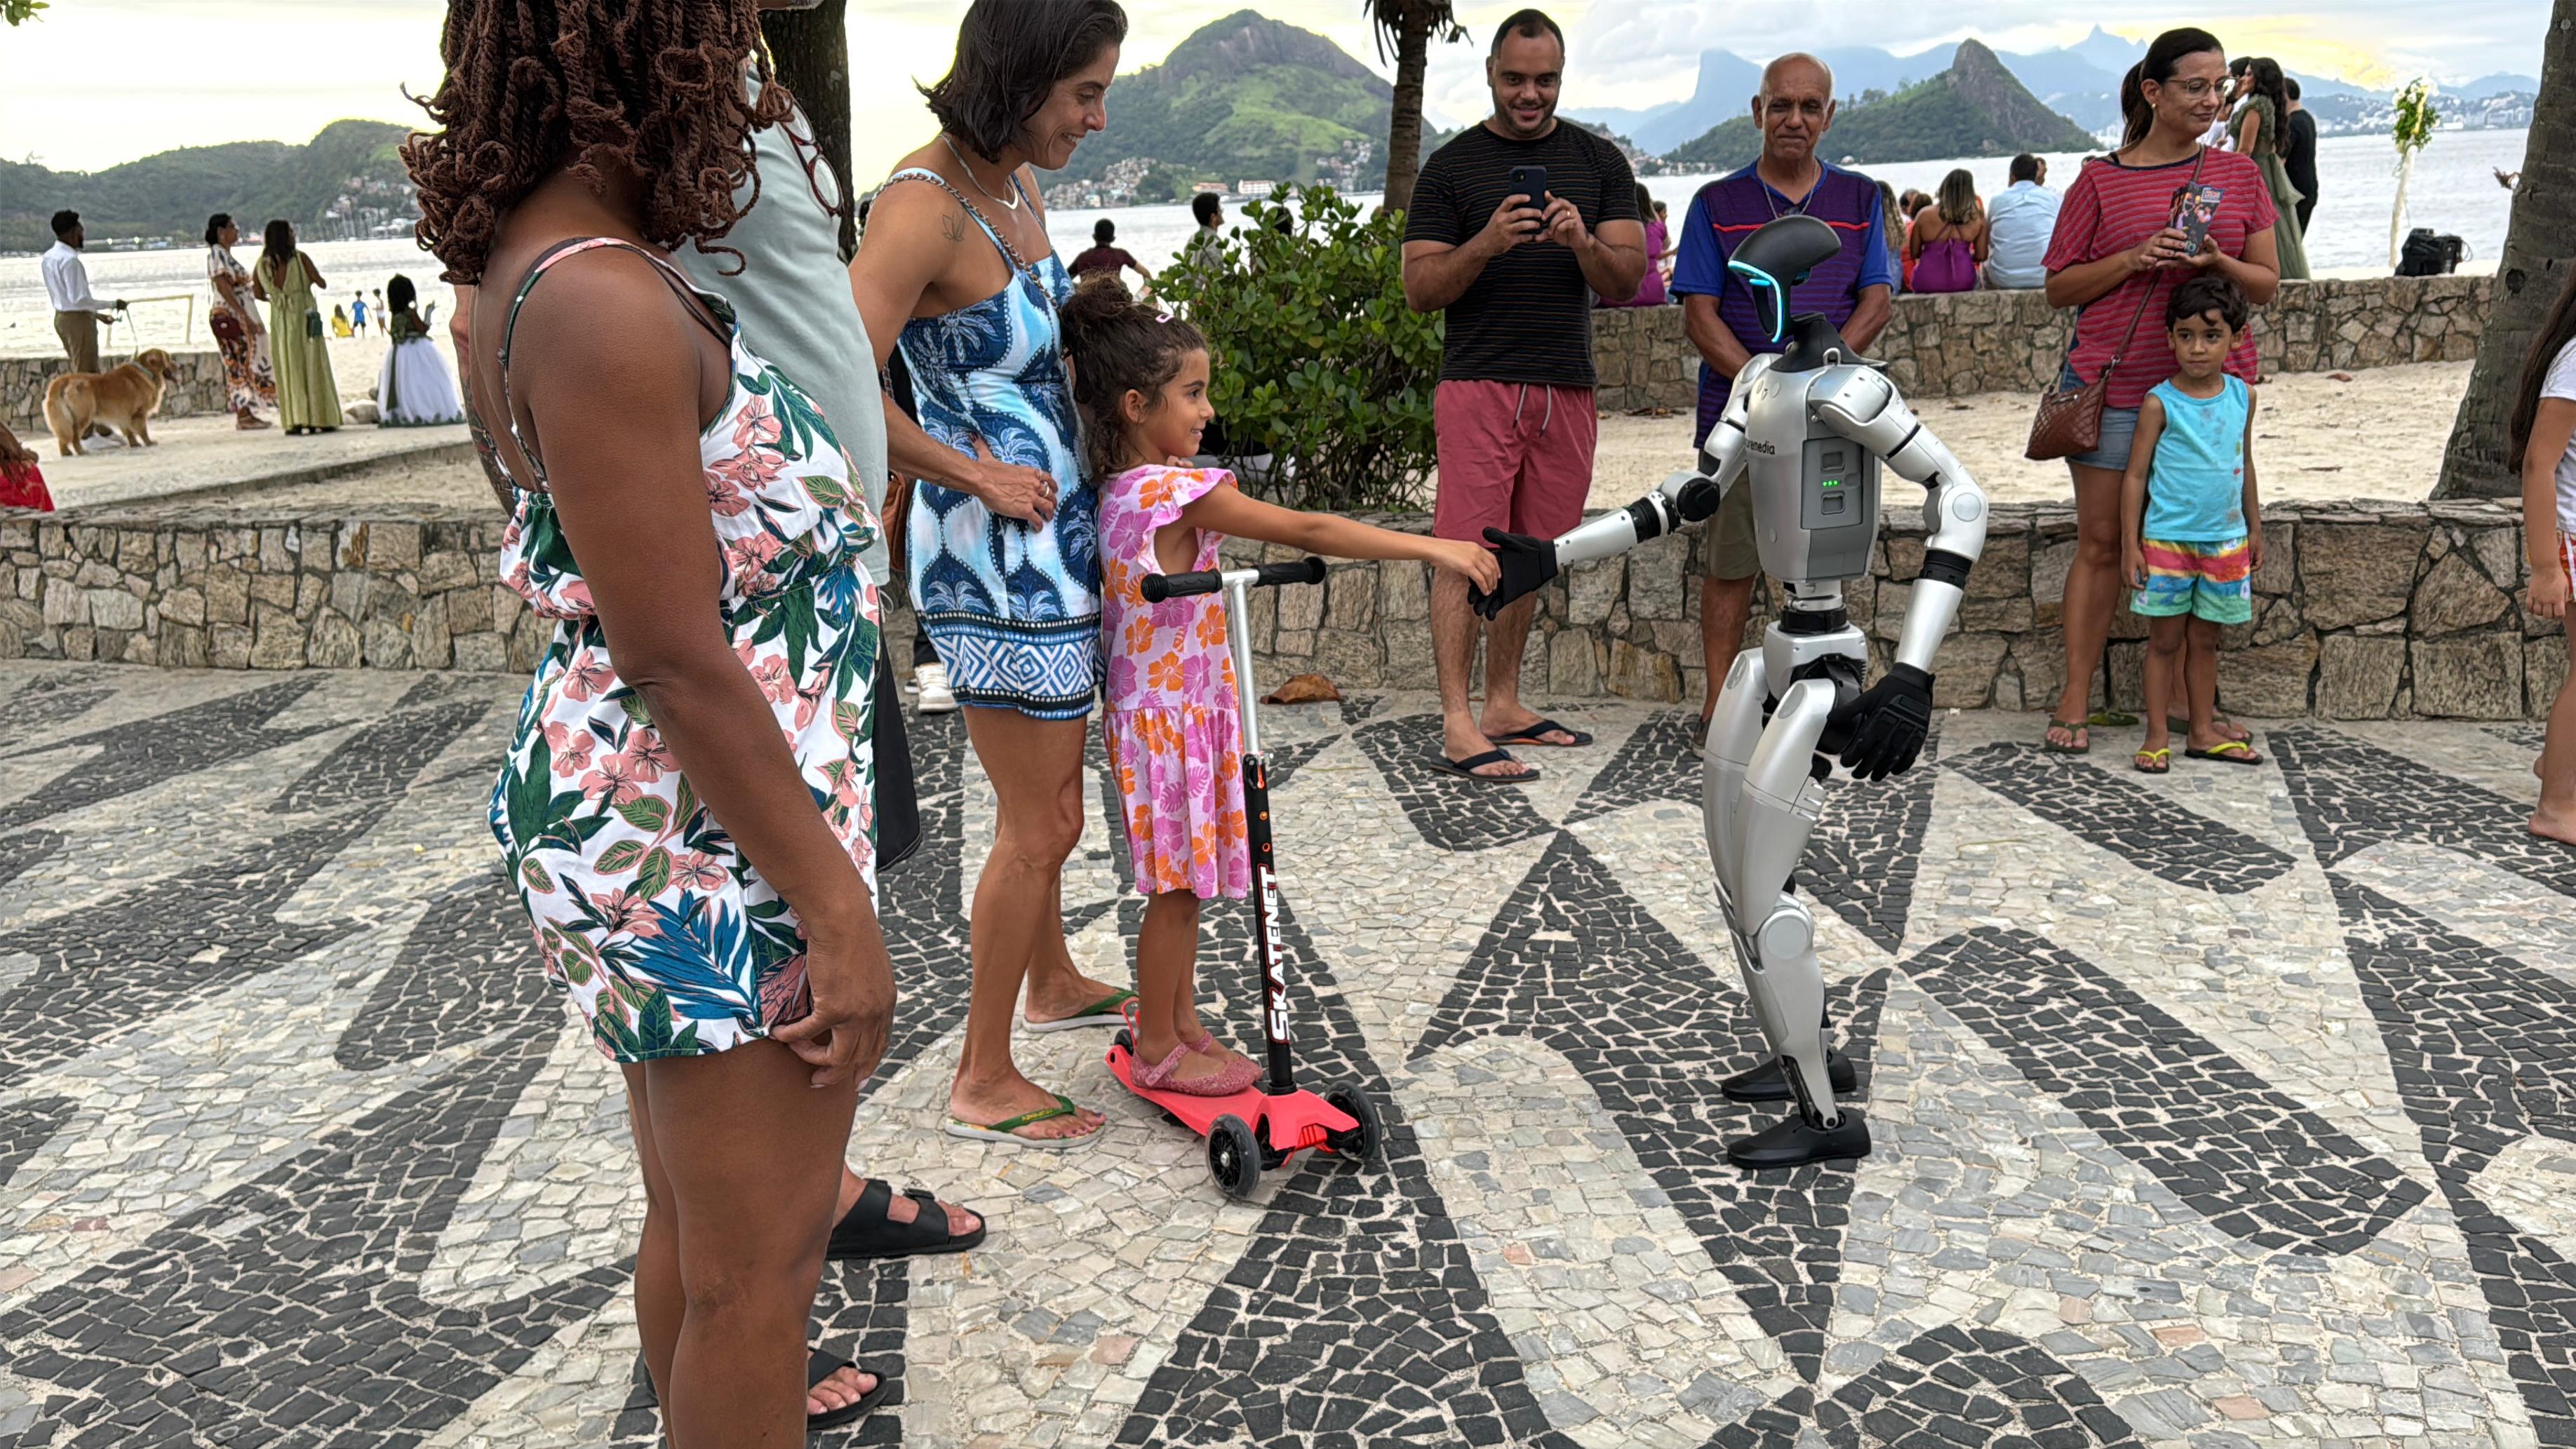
{"x": 1316, "y": 359}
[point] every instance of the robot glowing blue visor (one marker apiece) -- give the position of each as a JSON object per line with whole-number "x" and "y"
{"x": 1769, "y": 297}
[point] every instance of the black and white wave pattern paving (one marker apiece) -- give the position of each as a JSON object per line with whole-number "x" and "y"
{"x": 296, "y": 1148}
{"x": 2173, "y": 844}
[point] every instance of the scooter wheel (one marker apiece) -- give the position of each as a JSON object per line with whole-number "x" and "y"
{"x": 1124, "y": 1042}
{"x": 1234, "y": 1157}
{"x": 1360, "y": 1143}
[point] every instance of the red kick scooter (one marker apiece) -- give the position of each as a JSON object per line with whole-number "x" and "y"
{"x": 1260, "y": 1127}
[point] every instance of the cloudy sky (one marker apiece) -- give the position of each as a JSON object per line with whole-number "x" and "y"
{"x": 95, "y": 82}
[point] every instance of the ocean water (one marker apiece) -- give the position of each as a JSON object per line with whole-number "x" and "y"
{"x": 175, "y": 278}
{"x": 2453, "y": 190}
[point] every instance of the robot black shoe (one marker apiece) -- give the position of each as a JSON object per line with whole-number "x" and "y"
{"x": 1769, "y": 1082}
{"x": 1795, "y": 1142}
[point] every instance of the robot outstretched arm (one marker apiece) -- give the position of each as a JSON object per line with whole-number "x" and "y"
{"x": 1688, "y": 496}
{"x": 1862, "y": 405}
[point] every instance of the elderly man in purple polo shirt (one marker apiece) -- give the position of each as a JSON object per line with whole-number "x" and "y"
{"x": 1794, "y": 109}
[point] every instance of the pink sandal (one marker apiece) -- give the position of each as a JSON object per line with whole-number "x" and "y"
{"x": 1165, "y": 1076}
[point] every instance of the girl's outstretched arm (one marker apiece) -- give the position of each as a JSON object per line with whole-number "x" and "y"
{"x": 1226, "y": 510}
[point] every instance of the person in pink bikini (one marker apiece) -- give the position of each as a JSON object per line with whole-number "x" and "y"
{"x": 1174, "y": 740}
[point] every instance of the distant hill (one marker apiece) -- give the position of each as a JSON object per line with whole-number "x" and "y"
{"x": 168, "y": 196}
{"x": 1246, "y": 96}
{"x": 2079, "y": 81}
{"x": 1975, "y": 108}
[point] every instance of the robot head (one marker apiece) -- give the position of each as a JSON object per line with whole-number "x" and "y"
{"x": 1777, "y": 257}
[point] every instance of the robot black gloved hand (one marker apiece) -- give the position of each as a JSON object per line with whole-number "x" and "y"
{"x": 1884, "y": 728}
{"x": 1527, "y": 565}
{"x": 1809, "y": 430}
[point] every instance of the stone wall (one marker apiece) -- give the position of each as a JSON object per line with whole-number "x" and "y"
{"x": 1966, "y": 342}
{"x": 209, "y": 588}
{"x": 199, "y": 388}
{"x": 2362, "y": 611}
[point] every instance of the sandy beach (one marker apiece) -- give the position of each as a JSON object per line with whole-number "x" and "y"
{"x": 2378, "y": 435}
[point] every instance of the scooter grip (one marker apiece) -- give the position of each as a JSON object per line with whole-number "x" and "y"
{"x": 1295, "y": 571}
{"x": 1158, "y": 587}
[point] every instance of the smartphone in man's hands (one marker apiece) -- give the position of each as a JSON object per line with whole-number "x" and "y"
{"x": 1531, "y": 181}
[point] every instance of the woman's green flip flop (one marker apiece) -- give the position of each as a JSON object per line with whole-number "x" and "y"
{"x": 1007, "y": 1130}
{"x": 1109, "y": 1010}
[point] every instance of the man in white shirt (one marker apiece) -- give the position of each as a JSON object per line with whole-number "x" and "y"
{"x": 2240, "y": 79}
{"x": 2019, "y": 223}
{"x": 76, "y": 313}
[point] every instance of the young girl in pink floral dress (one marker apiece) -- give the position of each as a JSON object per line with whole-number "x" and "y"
{"x": 1173, "y": 736}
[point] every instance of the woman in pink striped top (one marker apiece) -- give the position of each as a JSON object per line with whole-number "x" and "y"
{"x": 2114, "y": 246}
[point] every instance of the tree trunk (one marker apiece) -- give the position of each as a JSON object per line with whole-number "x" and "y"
{"x": 811, "y": 50}
{"x": 1404, "y": 123}
{"x": 2539, "y": 246}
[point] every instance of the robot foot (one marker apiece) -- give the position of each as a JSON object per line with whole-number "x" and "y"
{"x": 1794, "y": 1143}
{"x": 1769, "y": 1082}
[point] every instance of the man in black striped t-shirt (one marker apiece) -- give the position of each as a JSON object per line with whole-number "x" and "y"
{"x": 1517, "y": 275}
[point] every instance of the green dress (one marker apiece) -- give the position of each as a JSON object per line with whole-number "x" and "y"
{"x": 2285, "y": 197}
{"x": 307, "y": 397}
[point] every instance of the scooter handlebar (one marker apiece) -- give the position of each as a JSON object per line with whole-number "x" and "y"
{"x": 1158, "y": 587}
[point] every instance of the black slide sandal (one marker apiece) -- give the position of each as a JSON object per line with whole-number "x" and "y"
{"x": 865, "y": 1232}
{"x": 1466, "y": 769}
{"x": 821, "y": 1365}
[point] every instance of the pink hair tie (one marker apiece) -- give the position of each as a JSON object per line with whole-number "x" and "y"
{"x": 1164, "y": 318}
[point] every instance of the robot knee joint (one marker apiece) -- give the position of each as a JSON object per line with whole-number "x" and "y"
{"x": 1786, "y": 934}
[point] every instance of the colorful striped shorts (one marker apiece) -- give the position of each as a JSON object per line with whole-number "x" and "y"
{"x": 2213, "y": 581}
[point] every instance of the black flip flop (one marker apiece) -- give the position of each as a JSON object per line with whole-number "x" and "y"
{"x": 866, "y": 1232}
{"x": 2227, "y": 752}
{"x": 820, "y": 1365}
{"x": 1466, "y": 769}
{"x": 1530, "y": 736}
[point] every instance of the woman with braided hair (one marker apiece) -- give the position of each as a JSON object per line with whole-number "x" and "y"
{"x": 685, "y": 811}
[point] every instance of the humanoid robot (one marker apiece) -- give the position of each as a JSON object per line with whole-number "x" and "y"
{"x": 1808, "y": 430}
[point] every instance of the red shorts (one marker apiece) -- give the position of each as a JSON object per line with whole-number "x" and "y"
{"x": 1513, "y": 456}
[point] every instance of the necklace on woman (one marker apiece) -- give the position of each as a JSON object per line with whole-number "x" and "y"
{"x": 1010, "y": 204}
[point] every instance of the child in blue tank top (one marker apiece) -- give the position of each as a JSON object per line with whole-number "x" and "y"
{"x": 2194, "y": 525}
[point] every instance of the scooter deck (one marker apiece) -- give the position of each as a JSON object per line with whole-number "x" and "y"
{"x": 1291, "y": 1122}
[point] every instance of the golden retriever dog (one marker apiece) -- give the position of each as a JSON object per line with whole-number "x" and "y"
{"x": 124, "y": 398}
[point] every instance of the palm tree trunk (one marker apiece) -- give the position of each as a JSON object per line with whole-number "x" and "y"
{"x": 1404, "y": 122}
{"x": 2539, "y": 246}
{"x": 811, "y": 50}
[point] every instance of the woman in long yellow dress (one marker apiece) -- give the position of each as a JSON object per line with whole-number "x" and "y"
{"x": 308, "y": 400}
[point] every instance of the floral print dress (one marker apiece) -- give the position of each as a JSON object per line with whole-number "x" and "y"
{"x": 1174, "y": 738}
{"x": 666, "y": 937}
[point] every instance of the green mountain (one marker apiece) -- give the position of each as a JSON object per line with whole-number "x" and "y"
{"x": 350, "y": 165}
{"x": 1975, "y": 108}
{"x": 1246, "y": 96}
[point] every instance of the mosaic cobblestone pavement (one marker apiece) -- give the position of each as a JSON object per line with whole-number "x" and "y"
{"x": 2227, "y": 1109}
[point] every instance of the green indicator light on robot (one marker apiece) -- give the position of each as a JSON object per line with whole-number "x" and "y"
{"x": 1833, "y": 483}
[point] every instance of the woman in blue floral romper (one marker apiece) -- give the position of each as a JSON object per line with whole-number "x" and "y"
{"x": 1003, "y": 543}
{"x": 685, "y": 810}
